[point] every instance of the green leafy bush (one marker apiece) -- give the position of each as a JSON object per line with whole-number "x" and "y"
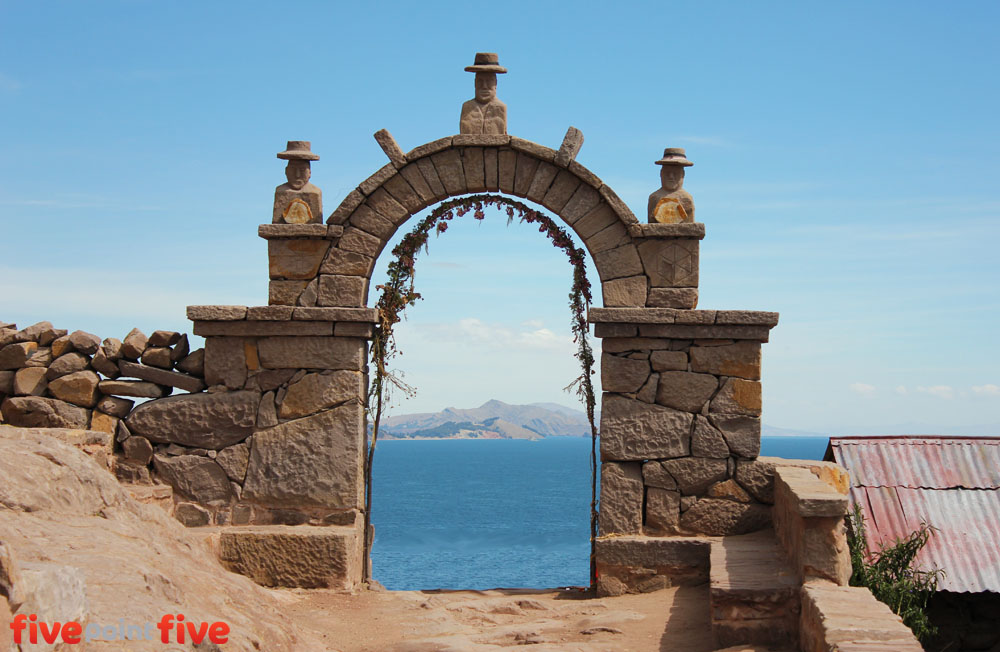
{"x": 891, "y": 576}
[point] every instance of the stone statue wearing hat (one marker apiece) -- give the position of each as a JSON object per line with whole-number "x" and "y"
{"x": 671, "y": 204}
{"x": 485, "y": 114}
{"x": 298, "y": 201}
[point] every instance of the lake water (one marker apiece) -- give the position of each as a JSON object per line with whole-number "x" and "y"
{"x": 480, "y": 514}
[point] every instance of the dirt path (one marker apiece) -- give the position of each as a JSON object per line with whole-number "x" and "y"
{"x": 674, "y": 620}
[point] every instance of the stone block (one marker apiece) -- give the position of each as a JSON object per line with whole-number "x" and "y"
{"x": 654, "y": 475}
{"x": 694, "y": 475}
{"x": 336, "y": 314}
{"x": 7, "y": 382}
{"x": 638, "y": 564}
{"x": 30, "y": 381}
{"x": 747, "y": 318}
{"x": 474, "y": 168}
{"x": 630, "y": 291}
{"x": 346, "y": 207}
{"x": 612, "y": 237}
{"x": 369, "y": 185}
{"x": 285, "y": 293}
{"x": 16, "y": 356}
{"x": 60, "y": 346}
{"x": 429, "y": 148}
{"x": 164, "y": 338}
{"x": 757, "y": 477}
{"x": 294, "y": 259}
{"x": 403, "y": 193}
{"x": 850, "y": 619}
{"x": 545, "y": 174}
{"x": 615, "y": 331}
{"x": 571, "y": 144}
{"x": 647, "y": 393}
{"x": 683, "y": 390}
{"x": 157, "y": 356}
{"x": 193, "y": 363}
{"x": 84, "y": 342}
{"x": 311, "y": 231}
{"x": 707, "y": 441}
{"x": 312, "y": 353}
{"x": 682, "y": 298}
{"x": 136, "y": 388}
{"x": 507, "y": 165}
{"x": 491, "y": 169}
{"x": 633, "y": 430}
{"x": 624, "y": 213}
{"x": 663, "y": 509}
{"x": 214, "y": 313}
{"x": 34, "y": 332}
{"x": 417, "y": 182}
{"x": 385, "y": 205}
{"x": 315, "y": 461}
{"x": 597, "y": 219}
{"x": 623, "y": 374}
{"x": 294, "y": 557}
{"x": 234, "y": 460}
{"x": 429, "y": 172}
{"x": 315, "y": 392}
{"x": 225, "y": 362}
{"x": 480, "y": 140}
{"x": 535, "y": 150}
{"x": 449, "y": 168}
{"x": 370, "y": 222}
{"x": 670, "y": 263}
{"x": 194, "y": 477}
{"x": 107, "y": 368}
{"x": 729, "y": 490}
{"x": 138, "y": 449}
{"x": 621, "y": 498}
{"x": 716, "y": 517}
{"x": 669, "y": 360}
{"x": 268, "y": 313}
{"x": 191, "y": 514}
{"x": 560, "y": 192}
{"x": 203, "y": 420}
{"x": 740, "y": 359}
{"x": 618, "y": 263}
{"x": 347, "y": 263}
{"x": 737, "y": 396}
{"x": 38, "y": 412}
{"x": 354, "y": 329}
{"x": 742, "y": 434}
{"x": 524, "y": 174}
{"x": 390, "y": 147}
{"x": 267, "y": 414}
{"x": 161, "y": 376}
{"x": 584, "y": 200}
{"x": 67, "y": 363}
{"x": 102, "y": 422}
{"x": 359, "y": 242}
{"x": 78, "y": 388}
{"x": 806, "y": 495}
{"x": 240, "y": 329}
{"x": 42, "y": 357}
{"x": 347, "y": 291}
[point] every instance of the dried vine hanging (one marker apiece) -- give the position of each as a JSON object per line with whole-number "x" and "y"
{"x": 398, "y": 292}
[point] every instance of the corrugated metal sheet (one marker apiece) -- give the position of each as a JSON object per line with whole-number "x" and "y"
{"x": 951, "y": 483}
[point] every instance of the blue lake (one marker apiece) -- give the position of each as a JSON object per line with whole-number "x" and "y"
{"x": 480, "y": 514}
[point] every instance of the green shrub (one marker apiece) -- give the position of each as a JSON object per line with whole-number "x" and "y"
{"x": 890, "y": 574}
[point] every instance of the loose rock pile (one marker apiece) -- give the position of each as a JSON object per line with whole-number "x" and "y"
{"x": 51, "y": 378}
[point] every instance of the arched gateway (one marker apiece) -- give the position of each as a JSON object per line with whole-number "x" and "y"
{"x": 680, "y": 424}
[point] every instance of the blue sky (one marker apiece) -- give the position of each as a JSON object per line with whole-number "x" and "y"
{"x": 846, "y": 168}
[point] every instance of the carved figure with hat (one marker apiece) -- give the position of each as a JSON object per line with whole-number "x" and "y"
{"x": 485, "y": 114}
{"x": 671, "y": 203}
{"x": 297, "y": 201}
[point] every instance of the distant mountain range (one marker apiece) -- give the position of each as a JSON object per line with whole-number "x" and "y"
{"x": 491, "y": 420}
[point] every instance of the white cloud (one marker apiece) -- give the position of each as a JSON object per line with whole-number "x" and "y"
{"x": 533, "y": 323}
{"x": 471, "y": 330}
{"x": 862, "y": 388}
{"x": 941, "y": 391}
{"x": 986, "y": 390}
{"x": 902, "y": 391}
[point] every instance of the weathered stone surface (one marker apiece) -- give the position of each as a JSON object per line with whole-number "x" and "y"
{"x": 134, "y": 344}
{"x": 741, "y": 359}
{"x": 157, "y": 356}
{"x": 269, "y": 379}
{"x": 102, "y": 422}
{"x": 161, "y": 376}
{"x": 737, "y": 396}
{"x": 336, "y": 290}
{"x": 654, "y": 475}
{"x": 571, "y": 144}
{"x": 669, "y": 360}
{"x": 621, "y": 498}
{"x": 85, "y": 342}
{"x": 295, "y": 259}
{"x": 116, "y": 407}
{"x": 181, "y": 348}
{"x": 647, "y": 393}
{"x": 622, "y": 374}
{"x": 34, "y": 332}
{"x": 706, "y": 441}
{"x": 449, "y": 168}
{"x": 624, "y": 344}
{"x": 716, "y": 517}
{"x": 37, "y": 412}
{"x": 78, "y": 388}
{"x": 683, "y": 298}
{"x": 315, "y": 392}
{"x": 607, "y": 239}
{"x": 695, "y": 474}
{"x": 138, "y": 449}
{"x": 377, "y": 179}
{"x": 757, "y": 477}
{"x": 194, "y": 477}
{"x": 313, "y": 461}
{"x": 233, "y": 460}
{"x": 416, "y": 180}
{"x": 684, "y": 390}
{"x": 390, "y": 147}
{"x": 288, "y": 556}
{"x": 112, "y": 348}
{"x": 598, "y": 219}
{"x": 267, "y": 415}
{"x": 851, "y": 619}
{"x": 7, "y": 382}
{"x": 671, "y": 263}
{"x": 742, "y": 433}
{"x": 191, "y": 514}
{"x": 629, "y": 291}
{"x": 633, "y": 430}
{"x": 583, "y": 200}
{"x": 615, "y": 330}
{"x": 747, "y": 317}
{"x": 61, "y": 346}
{"x": 107, "y": 368}
{"x": 312, "y": 353}
{"x": 729, "y": 490}
{"x": 474, "y": 167}
{"x": 211, "y": 421}
{"x": 193, "y": 363}
{"x": 30, "y": 381}
{"x": 430, "y": 175}
{"x": 285, "y": 293}
{"x": 663, "y": 509}
{"x": 164, "y": 338}
{"x": 136, "y": 388}
{"x": 225, "y": 362}
{"x": 15, "y": 356}
{"x": 42, "y": 357}
{"x": 617, "y": 263}
{"x": 545, "y": 173}
{"x": 67, "y": 364}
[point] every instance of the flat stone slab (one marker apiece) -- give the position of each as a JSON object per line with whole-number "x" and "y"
{"x": 216, "y": 313}
{"x": 294, "y": 556}
{"x": 161, "y": 376}
{"x": 683, "y": 230}
{"x": 311, "y": 231}
{"x": 751, "y": 565}
{"x": 850, "y": 618}
{"x": 676, "y": 316}
{"x": 810, "y": 496}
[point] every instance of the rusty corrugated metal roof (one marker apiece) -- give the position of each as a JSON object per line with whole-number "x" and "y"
{"x": 951, "y": 483}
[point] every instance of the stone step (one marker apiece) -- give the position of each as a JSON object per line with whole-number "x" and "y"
{"x": 161, "y": 495}
{"x": 754, "y": 592}
{"x": 850, "y": 619}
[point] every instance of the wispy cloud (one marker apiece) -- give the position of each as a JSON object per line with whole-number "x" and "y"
{"x": 986, "y": 390}
{"x": 473, "y": 331}
{"x": 902, "y": 391}
{"x": 862, "y": 388}
{"x": 941, "y": 391}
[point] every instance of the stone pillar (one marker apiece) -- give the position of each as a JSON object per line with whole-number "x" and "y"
{"x": 670, "y": 258}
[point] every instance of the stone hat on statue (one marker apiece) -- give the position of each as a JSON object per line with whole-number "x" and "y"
{"x": 674, "y": 156}
{"x": 486, "y": 62}
{"x": 298, "y": 150}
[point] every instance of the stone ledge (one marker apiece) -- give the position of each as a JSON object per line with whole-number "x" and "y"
{"x": 850, "y": 618}
{"x": 685, "y": 230}
{"x": 677, "y": 316}
{"x": 366, "y": 315}
{"x": 216, "y": 313}
{"x": 268, "y": 328}
{"x": 653, "y": 551}
{"x": 308, "y": 231}
{"x": 480, "y": 140}
{"x": 809, "y": 496}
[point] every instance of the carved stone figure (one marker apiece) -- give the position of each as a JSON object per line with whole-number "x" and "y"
{"x": 485, "y": 114}
{"x": 298, "y": 201}
{"x": 671, "y": 204}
